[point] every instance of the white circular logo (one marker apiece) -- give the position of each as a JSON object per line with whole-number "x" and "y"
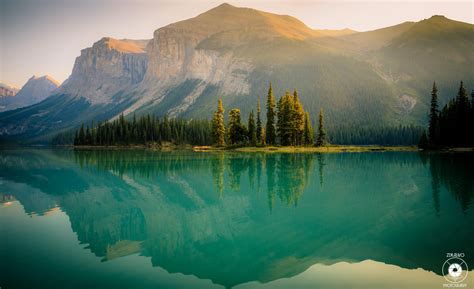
{"x": 455, "y": 270}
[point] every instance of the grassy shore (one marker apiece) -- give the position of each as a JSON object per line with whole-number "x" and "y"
{"x": 307, "y": 149}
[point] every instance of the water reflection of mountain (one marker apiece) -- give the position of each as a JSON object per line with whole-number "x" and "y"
{"x": 235, "y": 218}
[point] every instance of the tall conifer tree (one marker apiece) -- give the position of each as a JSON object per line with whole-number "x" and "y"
{"x": 252, "y": 134}
{"x": 434, "y": 114}
{"x": 308, "y": 137}
{"x": 270, "y": 126}
{"x": 218, "y": 126}
{"x": 259, "y": 125}
{"x": 321, "y": 132}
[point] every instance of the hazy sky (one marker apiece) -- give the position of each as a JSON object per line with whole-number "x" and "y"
{"x": 45, "y": 36}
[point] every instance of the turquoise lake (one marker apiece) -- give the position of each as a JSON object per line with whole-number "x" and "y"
{"x": 144, "y": 219}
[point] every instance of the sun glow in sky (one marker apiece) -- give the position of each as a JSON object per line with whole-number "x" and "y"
{"x": 45, "y": 36}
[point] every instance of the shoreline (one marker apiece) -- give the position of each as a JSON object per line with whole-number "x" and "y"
{"x": 168, "y": 147}
{"x": 308, "y": 149}
{"x": 266, "y": 149}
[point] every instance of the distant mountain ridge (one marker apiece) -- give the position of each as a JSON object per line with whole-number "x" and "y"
{"x": 36, "y": 89}
{"x": 7, "y": 90}
{"x": 380, "y": 77}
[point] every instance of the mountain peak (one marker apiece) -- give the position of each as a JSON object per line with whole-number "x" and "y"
{"x": 237, "y": 22}
{"x": 225, "y": 6}
{"x": 122, "y": 45}
{"x": 46, "y": 78}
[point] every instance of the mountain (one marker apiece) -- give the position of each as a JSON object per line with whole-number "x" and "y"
{"x": 107, "y": 67}
{"x": 35, "y": 90}
{"x": 374, "y": 78}
{"x": 7, "y": 90}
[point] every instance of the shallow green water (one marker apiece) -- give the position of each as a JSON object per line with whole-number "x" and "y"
{"x": 140, "y": 219}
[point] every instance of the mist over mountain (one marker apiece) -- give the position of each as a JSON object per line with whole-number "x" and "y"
{"x": 380, "y": 77}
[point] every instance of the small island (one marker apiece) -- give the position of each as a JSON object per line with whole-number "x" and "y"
{"x": 288, "y": 129}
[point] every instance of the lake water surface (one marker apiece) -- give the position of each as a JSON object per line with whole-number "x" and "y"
{"x": 142, "y": 219}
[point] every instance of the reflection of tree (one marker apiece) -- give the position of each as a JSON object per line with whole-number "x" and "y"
{"x": 435, "y": 187}
{"x": 218, "y": 167}
{"x": 321, "y": 165}
{"x": 286, "y": 174}
{"x": 270, "y": 166}
{"x": 293, "y": 174}
{"x": 454, "y": 171}
{"x": 236, "y": 166}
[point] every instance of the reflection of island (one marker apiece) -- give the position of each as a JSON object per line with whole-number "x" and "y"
{"x": 209, "y": 215}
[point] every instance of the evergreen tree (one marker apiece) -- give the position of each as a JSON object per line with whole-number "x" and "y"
{"x": 298, "y": 119}
{"x": 308, "y": 137}
{"x": 236, "y": 130}
{"x": 321, "y": 132}
{"x": 82, "y": 135}
{"x": 433, "y": 129}
{"x": 259, "y": 132}
{"x": 461, "y": 98}
{"x": 270, "y": 132}
{"x": 472, "y": 99}
{"x": 424, "y": 142}
{"x": 252, "y": 134}
{"x": 285, "y": 118}
{"x": 462, "y": 124}
{"x": 218, "y": 126}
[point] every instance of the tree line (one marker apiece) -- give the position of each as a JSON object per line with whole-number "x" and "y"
{"x": 452, "y": 125}
{"x": 287, "y": 124}
{"x": 146, "y": 129}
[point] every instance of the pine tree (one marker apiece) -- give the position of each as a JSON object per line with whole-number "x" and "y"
{"x": 298, "y": 119}
{"x": 270, "y": 126}
{"x": 235, "y": 127}
{"x": 308, "y": 137}
{"x": 461, "y": 98}
{"x": 434, "y": 114}
{"x": 285, "y": 123}
{"x": 472, "y": 99}
{"x": 462, "y": 122}
{"x": 82, "y": 136}
{"x": 259, "y": 125}
{"x": 424, "y": 142}
{"x": 218, "y": 126}
{"x": 252, "y": 135}
{"x": 321, "y": 132}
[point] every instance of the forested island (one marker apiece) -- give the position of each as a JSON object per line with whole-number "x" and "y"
{"x": 287, "y": 124}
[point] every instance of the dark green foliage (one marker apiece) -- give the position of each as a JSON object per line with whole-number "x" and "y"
{"x": 270, "y": 132}
{"x": 308, "y": 137}
{"x": 285, "y": 109}
{"x": 146, "y": 129}
{"x": 252, "y": 134}
{"x": 321, "y": 131}
{"x": 376, "y": 135}
{"x": 433, "y": 130}
{"x": 424, "y": 142}
{"x": 237, "y": 131}
{"x": 455, "y": 122}
{"x": 259, "y": 133}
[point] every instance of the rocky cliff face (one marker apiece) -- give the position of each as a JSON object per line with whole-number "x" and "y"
{"x": 35, "y": 90}
{"x": 106, "y": 68}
